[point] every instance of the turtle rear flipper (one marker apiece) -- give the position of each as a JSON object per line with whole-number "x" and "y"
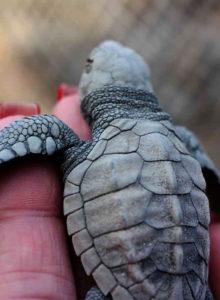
{"x": 39, "y": 134}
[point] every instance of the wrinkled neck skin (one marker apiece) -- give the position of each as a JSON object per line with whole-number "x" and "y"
{"x": 102, "y": 106}
{"x": 105, "y": 105}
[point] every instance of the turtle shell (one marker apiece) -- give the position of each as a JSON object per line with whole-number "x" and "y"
{"x": 138, "y": 215}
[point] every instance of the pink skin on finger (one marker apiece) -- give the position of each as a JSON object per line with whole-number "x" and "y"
{"x": 214, "y": 266}
{"x": 68, "y": 110}
{"x": 34, "y": 259}
{"x": 10, "y": 109}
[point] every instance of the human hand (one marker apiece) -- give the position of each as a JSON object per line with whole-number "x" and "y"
{"x": 34, "y": 257}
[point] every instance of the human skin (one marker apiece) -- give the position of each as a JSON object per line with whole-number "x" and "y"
{"x": 34, "y": 256}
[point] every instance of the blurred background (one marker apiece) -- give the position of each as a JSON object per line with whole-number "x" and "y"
{"x": 46, "y": 42}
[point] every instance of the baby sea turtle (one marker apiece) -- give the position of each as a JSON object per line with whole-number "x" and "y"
{"x": 134, "y": 195}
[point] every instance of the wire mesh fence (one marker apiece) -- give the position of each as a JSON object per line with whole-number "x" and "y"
{"x": 45, "y": 42}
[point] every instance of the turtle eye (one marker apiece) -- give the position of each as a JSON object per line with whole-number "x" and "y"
{"x": 88, "y": 66}
{"x": 89, "y": 60}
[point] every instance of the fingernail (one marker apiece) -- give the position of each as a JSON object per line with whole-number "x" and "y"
{"x": 11, "y": 109}
{"x": 65, "y": 90}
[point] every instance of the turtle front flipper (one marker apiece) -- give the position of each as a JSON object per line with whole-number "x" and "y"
{"x": 39, "y": 134}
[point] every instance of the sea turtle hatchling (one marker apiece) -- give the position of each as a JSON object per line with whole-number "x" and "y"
{"x": 134, "y": 195}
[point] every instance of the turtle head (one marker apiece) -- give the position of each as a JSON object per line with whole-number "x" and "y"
{"x": 111, "y": 64}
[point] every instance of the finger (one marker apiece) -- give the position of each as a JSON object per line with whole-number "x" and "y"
{"x": 10, "y": 109}
{"x": 214, "y": 265}
{"x": 68, "y": 110}
{"x": 34, "y": 259}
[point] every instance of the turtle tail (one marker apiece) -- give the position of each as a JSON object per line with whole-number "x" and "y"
{"x": 39, "y": 134}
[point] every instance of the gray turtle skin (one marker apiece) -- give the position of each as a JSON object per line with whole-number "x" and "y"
{"x": 134, "y": 196}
